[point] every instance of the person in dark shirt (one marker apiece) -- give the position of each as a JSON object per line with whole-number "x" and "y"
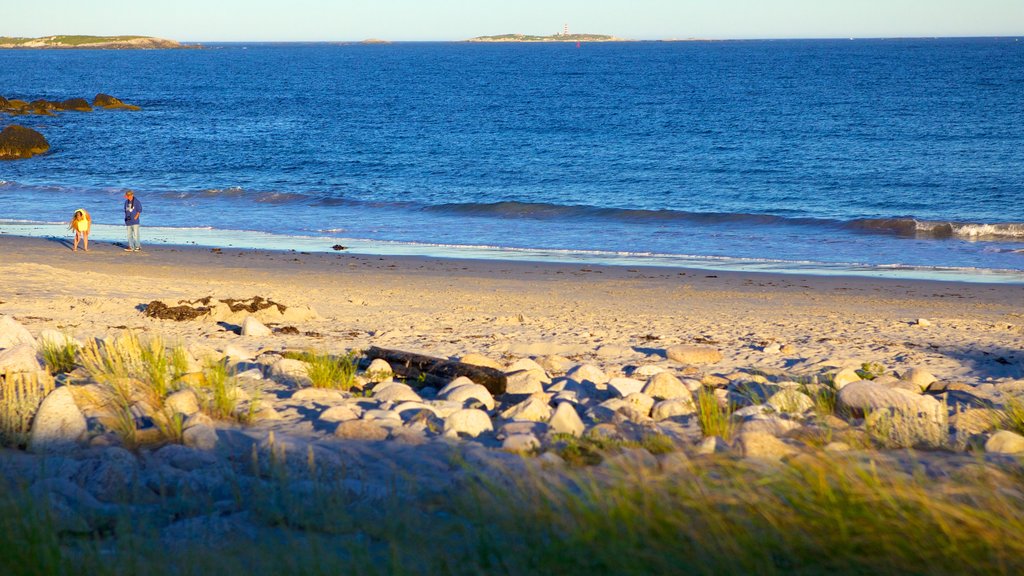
{"x": 132, "y": 211}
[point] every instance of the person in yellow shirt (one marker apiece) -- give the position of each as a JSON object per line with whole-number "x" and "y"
{"x": 81, "y": 222}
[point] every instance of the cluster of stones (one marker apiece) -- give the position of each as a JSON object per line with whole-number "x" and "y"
{"x": 549, "y": 401}
{"x": 42, "y": 107}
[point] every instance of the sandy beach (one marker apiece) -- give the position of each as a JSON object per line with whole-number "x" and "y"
{"x": 614, "y": 317}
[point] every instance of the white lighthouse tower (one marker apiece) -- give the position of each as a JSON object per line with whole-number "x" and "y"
{"x": 565, "y": 29}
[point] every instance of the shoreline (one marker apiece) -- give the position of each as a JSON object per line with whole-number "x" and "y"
{"x": 256, "y": 240}
{"x": 451, "y": 307}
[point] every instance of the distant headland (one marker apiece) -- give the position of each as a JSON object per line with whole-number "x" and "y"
{"x": 551, "y": 38}
{"x": 94, "y": 42}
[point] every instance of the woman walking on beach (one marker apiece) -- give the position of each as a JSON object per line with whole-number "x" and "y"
{"x": 132, "y": 211}
{"x": 80, "y": 223}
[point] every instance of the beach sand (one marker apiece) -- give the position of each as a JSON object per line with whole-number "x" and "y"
{"x": 610, "y": 316}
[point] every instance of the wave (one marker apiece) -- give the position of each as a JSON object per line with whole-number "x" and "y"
{"x": 940, "y": 229}
{"x": 902, "y": 226}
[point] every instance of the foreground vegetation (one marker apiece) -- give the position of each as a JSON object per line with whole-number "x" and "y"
{"x": 817, "y": 515}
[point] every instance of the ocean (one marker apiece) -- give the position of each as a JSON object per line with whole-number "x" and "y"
{"x": 899, "y": 158}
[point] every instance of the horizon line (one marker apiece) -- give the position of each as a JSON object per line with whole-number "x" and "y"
{"x": 679, "y": 39}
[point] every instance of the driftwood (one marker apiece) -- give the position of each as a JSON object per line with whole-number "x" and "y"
{"x": 438, "y": 370}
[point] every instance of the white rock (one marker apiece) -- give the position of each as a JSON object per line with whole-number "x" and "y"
{"x": 520, "y": 443}
{"x": 1005, "y": 442}
{"x": 319, "y": 395}
{"x": 918, "y": 377}
{"x": 566, "y": 420}
{"x": 291, "y": 371}
{"x": 768, "y": 424}
{"x": 665, "y": 386}
{"x": 404, "y": 407}
{"x": 340, "y": 413}
{"x": 865, "y": 396}
{"x": 685, "y": 354}
{"x": 460, "y": 381}
{"x": 623, "y": 387}
{"x": 200, "y": 437}
{"x": 791, "y": 401}
{"x": 923, "y": 322}
{"x": 446, "y": 408}
{"x": 844, "y": 377}
{"x": 670, "y": 408}
{"x": 255, "y": 328}
{"x": 614, "y": 351}
{"x": 773, "y": 348}
{"x": 762, "y": 445}
{"x": 480, "y": 360}
{"x": 382, "y": 415}
{"x": 526, "y": 382}
{"x": 237, "y": 353}
{"x": 58, "y": 425}
{"x": 470, "y": 421}
{"x": 533, "y": 409}
{"x": 648, "y": 370}
{"x": 555, "y": 364}
{"x": 379, "y": 370}
{"x": 640, "y": 402}
{"x": 183, "y": 402}
{"x": 471, "y": 391}
{"x": 20, "y": 358}
{"x": 525, "y": 364}
{"x": 396, "y": 393}
{"x": 12, "y": 333}
{"x": 588, "y": 373}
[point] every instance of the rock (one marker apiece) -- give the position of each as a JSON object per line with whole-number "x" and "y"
{"x": 768, "y": 424}
{"x": 526, "y": 364}
{"x": 587, "y": 373}
{"x": 382, "y": 416}
{"x": 68, "y": 507}
{"x": 1005, "y": 442}
{"x": 865, "y": 396}
{"x": 470, "y": 422}
{"x": 555, "y": 364}
{"x": 614, "y": 351}
{"x": 20, "y": 358}
{"x": 254, "y": 328}
{"x": 319, "y": 395}
{"x": 58, "y": 425}
{"x": 640, "y": 402}
{"x": 56, "y": 339}
{"x": 108, "y": 102}
{"x": 476, "y": 392}
{"x": 674, "y": 462}
{"x": 623, "y": 387}
{"x": 922, "y": 322}
{"x": 200, "y": 437}
{"x": 520, "y": 443}
{"x": 566, "y": 420}
{"x": 290, "y": 371}
{"x": 526, "y": 382}
{"x": 773, "y": 348}
{"x": 790, "y": 401}
{"x": 12, "y": 333}
{"x": 844, "y": 377}
{"x": 361, "y": 430}
{"x": 266, "y": 414}
{"x": 75, "y": 105}
{"x": 533, "y": 409}
{"x": 670, "y": 408}
{"x": 111, "y": 476}
{"x": 976, "y": 421}
{"x": 17, "y": 142}
{"x": 685, "y": 354}
{"x": 763, "y": 445}
{"x": 236, "y": 353}
{"x": 919, "y": 377}
{"x": 460, "y": 381}
{"x": 837, "y": 447}
{"x": 396, "y": 393}
{"x": 339, "y": 414}
{"x": 182, "y": 402}
{"x": 712, "y": 445}
{"x": 647, "y": 370}
{"x": 379, "y": 370}
{"x": 665, "y": 386}
{"x": 481, "y": 360}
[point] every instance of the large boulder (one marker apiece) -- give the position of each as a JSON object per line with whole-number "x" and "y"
{"x": 58, "y": 425}
{"x": 18, "y": 142}
{"x": 12, "y": 333}
{"x": 21, "y": 358}
{"x": 470, "y": 422}
{"x": 665, "y": 386}
{"x": 75, "y": 105}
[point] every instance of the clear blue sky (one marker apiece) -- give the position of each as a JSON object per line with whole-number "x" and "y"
{"x": 231, "y": 20}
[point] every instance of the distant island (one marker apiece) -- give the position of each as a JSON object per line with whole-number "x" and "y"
{"x": 96, "y": 42}
{"x": 552, "y": 38}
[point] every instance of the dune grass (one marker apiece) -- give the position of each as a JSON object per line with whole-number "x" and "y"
{"x": 59, "y": 357}
{"x": 327, "y": 371}
{"x": 816, "y": 515}
{"x": 714, "y": 419}
{"x": 20, "y": 397}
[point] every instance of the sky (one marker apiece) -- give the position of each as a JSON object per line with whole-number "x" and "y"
{"x": 403, "y": 20}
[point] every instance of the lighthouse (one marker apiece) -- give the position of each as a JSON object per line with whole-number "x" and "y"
{"x": 565, "y": 29}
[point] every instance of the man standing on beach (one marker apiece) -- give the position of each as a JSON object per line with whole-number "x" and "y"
{"x": 132, "y": 211}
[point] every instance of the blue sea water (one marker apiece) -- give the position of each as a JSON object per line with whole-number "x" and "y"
{"x": 867, "y": 156}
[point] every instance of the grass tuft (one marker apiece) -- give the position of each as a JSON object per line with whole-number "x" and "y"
{"x": 59, "y": 356}
{"x": 714, "y": 419}
{"x": 335, "y": 372}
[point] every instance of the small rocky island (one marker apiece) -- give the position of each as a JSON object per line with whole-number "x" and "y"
{"x": 552, "y": 38}
{"x": 93, "y": 42}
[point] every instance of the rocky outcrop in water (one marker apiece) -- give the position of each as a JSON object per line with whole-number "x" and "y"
{"x": 18, "y": 142}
